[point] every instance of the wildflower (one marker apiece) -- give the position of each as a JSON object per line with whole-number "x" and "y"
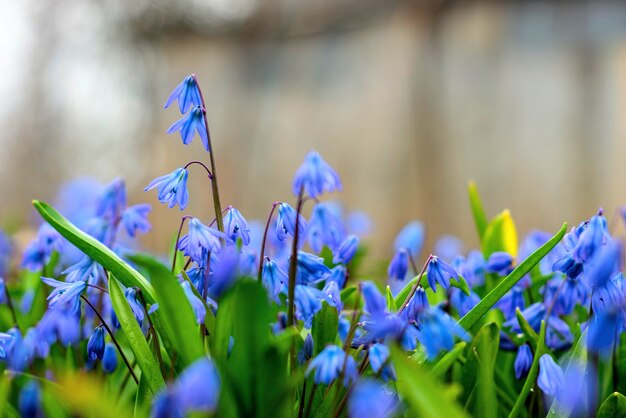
{"x": 437, "y": 331}
{"x": 338, "y": 274}
{"x": 135, "y": 219}
{"x": 605, "y": 263}
{"x": 411, "y": 238}
{"x": 306, "y": 352}
{"x": 511, "y": 301}
{"x": 109, "y": 358}
{"x": 415, "y": 307}
{"x": 523, "y": 361}
{"x": 325, "y": 228}
{"x": 5, "y": 342}
{"x": 315, "y": 177}
{"x": 346, "y": 250}
{"x": 172, "y": 188}
{"x": 604, "y": 331}
{"x": 235, "y": 226}
{"x": 308, "y": 303}
{"x": 471, "y": 268}
{"x": 330, "y": 363}
{"x": 273, "y": 279}
{"x": 189, "y": 124}
{"x": 370, "y": 399}
{"x": 358, "y": 223}
{"x": 65, "y": 293}
{"x": 379, "y": 356}
{"x": 29, "y": 400}
{"x": 95, "y": 345}
{"x": 375, "y": 303}
{"x": 201, "y": 240}
{"x": 500, "y": 263}
{"x": 311, "y": 268}
{"x": 461, "y": 302}
{"x": 286, "y": 222}
{"x": 399, "y": 265}
{"x": 58, "y": 325}
{"x": 196, "y": 304}
{"x": 112, "y": 200}
{"x": 135, "y": 305}
{"x": 440, "y": 272}
{"x": 551, "y": 377}
{"x": 86, "y": 270}
{"x": 38, "y": 252}
{"x": 448, "y": 247}
{"x": 332, "y": 296}
{"x": 6, "y": 251}
{"x": 591, "y": 239}
{"x": 187, "y": 93}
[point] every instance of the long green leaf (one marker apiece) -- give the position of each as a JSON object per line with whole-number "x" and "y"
{"x": 613, "y": 406}
{"x": 174, "y": 311}
{"x": 99, "y": 252}
{"x": 482, "y": 307}
{"x": 325, "y": 328}
{"x": 480, "y": 219}
{"x": 444, "y": 364}
{"x": 148, "y": 365}
{"x": 486, "y": 343}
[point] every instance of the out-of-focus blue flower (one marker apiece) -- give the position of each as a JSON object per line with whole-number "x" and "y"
{"x": 332, "y": 295}
{"x": 339, "y": 275}
{"x": 609, "y": 297}
{"x": 325, "y": 228}
{"x": 329, "y": 365}
{"x": 569, "y": 266}
{"x": 189, "y": 124}
{"x": 273, "y": 279}
{"x": 197, "y": 389}
{"x": 308, "y": 303}
{"x": 311, "y": 268}
{"x": 415, "y": 307}
{"x": 196, "y": 304}
{"x": 5, "y": 342}
{"x": 95, "y": 345}
{"x": 187, "y": 93}
{"x": 411, "y": 238}
{"x": 461, "y": 302}
{"x": 550, "y": 375}
{"x": 172, "y": 188}
{"x": 573, "y": 291}
{"x": 346, "y": 250}
{"x": 379, "y": 354}
{"x": 591, "y": 239}
{"x": 286, "y": 222}
{"x": 358, "y": 223}
{"x": 135, "y": 219}
{"x": 6, "y": 251}
{"x": 500, "y": 263}
{"x": 604, "y": 331}
{"x": 135, "y": 305}
{"x": 471, "y": 268}
{"x": 235, "y": 226}
{"x": 306, "y": 352}
{"x": 523, "y": 361}
{"x": 438, "y": 271}
{"x": 65, "y": 293}
{"x": 29, "y": 401}
{"x": 200, "y": 241}
{"x": 448, "y": 247}
{"x": 574, "y": 396}
{"x": 316, "y": 177}
{"x": 112, "y": 200}
{"x": 399, "y": 265}
{"x": 604, "y": 264}
{"x": 109, "y": 358}
{"x": 58, "y": 325}
{"x": 512, "y": 300}
{"x": 344, "y": 328}
{"x": 370, "y": 399}
{"x": 531, "y": 242}
{"x": 37, "y": 254}
{"x": 86, "y": 270}
{"x": 36, "y": 343}
{"x": 375, "y": 303}
{"x": 225, "y": 271}
{"x": 437, "y": 331}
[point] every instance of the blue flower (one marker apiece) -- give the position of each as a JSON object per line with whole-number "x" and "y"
{"x": 225, "y": 271}
{"x": 346, "y": 250}
{"x": 591, "y": 239}
{"x": 109, "y": 358}
{"x": 415, "y": 307}
{"x": 437, "y": 331}
{"x": 604, "y": 264}
{"x": 411, "y": 238}
{"x": 316, "y": 177}
{"x": 172, "y": 188}
{"x": 196, "y": 304}
{"x": 95, "y": 345}
{"x": 500, "y": 262}
{"x": 86, "y": 270}
{"x": 512, "y": 300}
{"x": 440, "y": 272}
{"x": 329, "y": 365}
{"x": 273, "y": 279}
{"x": 65, "y": 293}
{"x": 332, "y": 296}
{"x": 461, "y": 302}
{"x": 610, "y": 296}
{"x": 37, "y": 254}
{"x": 135, "y": 219}
{"x": 286, "y": 222}
{"x": 29, "y": 401}
{"x": 375, "y": 303}
{"x": 371, "y": 399}
{"x": 325, "y": 228}
{"x": 235, "y": 226}
{"x": 308, "y": 303}
{"x": 187, "y": 93}
{"x": 604, "y": 331}
{"x": 550, "y": 375}
{"x": 5, "y": 342}
{"x": 338, "y": 274}
{"x": 399, "y": 265}
{"x": 200, "y": 241}
{"x": 306, "y": 352}
{"x": 189, "y": 124}
{"x": 112, "y": 200}
{"x": 311, "y": 268}
{"x": 135, "y": 305}
{"x": 379, "y": 356}
{"x": 58, "y": 325}
{"x": 448, "y": 247}
{"x": 523, "y": 361}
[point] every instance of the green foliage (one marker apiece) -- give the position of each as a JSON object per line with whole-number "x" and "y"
{"x": 613, "y": 406}
{"x": 325, "y": 327}
{"x": 476, "y": 205}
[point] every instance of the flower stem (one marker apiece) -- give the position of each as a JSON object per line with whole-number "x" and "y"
{"x": 293, "y": 266}
{"x": 216, "y": 192}
{"x": 201, "y": 164}
{"x": 416, "y": 285}
{"x": 267, "y": 226}
{"x": 180, "y": 230}
{"x": 117, "y": 345}
{"x": 10, "y": 305}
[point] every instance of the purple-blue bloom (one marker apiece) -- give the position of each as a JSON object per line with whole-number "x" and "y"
{"x": 550, "y": 375}
{"x": 500, "y": 263}
{"x": 95, "y": 345}
{"x": 315, "y": 177}
{"x": 307, "y": 303}
{"x": 29, "y": 401}
{"x": 346, "y": 250}
{"x": 399, "y": 265}
{"x": 135, "y": 305}
{"x": 379, "y": 356}
{"x": 38, "y": 252}
{"x": 591, "y": 239}
{"x": 109, "y": 358}
{"x": 286, "y": 222}
{"x": 371, "y": 399}
{"x": 189, "y": 124}
{"x": 172, "y": 188}
{"x": 187, "y": 93}
{"x": 65, "y": 293}
{"x": 325, "y": 228}
{"x": 196, "y": 304}
{"x": 225, "y": 271}
{"x": 437, "y": 331}
{"x": 135, "y": 219}
{"x": 438, "y": 271}
{"x": 461, "y": 302}
{"x": 375, "y": 303}
{"x": 112, "y": 200}
{"x": 410, "y": 238}
{"x": 201, "y": 240}
{"x": 523, "y": 361}
{"x": 86, "y": 270}
{"x": 332, "y": 295}
{"x": 415, "y": 307}
{"x": 329, "y": 365}
{"x": 311, "y": 268}
{"x": 235, "y": 226}
{"x": 273, "y": 279}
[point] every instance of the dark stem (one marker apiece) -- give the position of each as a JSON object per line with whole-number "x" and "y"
{"x": 310, "y": 403}
{"x": 302, "y": 399}
{"x": 10, "y": 305}
{"x": 293, "y": 266}
{"x": 207, "y": 271}
{"x": 226, "y": 209}
{"x": 267, "y": 226}
{"x": 117, "y": 345}
{"x": 180, "y": 230}
{"x": 155, "y": 338}
{"x": 416, "y": 285}
{"x": 412, "y": 261}
{"x": 102, "y": 289}
{"x": 126, "y": 379}
{"x": 216, "y": 193}
{"x": 201, "y": 164}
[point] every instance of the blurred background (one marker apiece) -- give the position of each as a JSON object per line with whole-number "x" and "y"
{"x": 407, "y": 100}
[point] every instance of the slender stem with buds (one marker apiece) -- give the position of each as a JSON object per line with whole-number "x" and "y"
{"x": 117, "y": 345}
{"x": 416, "y": 285}
{"x": 201, "y": 164}
{"x": 10, "y": 305}
{"x": 267, "y": 226}
{"x": 180, "y": 230}
{"x": 293, "y": 266}
{"x": 216, "y": 192}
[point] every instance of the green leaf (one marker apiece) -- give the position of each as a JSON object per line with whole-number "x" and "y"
{"x": 325, "y": 327}
{"x": 482, "y": 307}
{"x": 404, "y": 292}
{"x": 99, "y": 252}
{"x": 486, "y": 344}
{"x": 391, "y": 303}
{"x": 613, "y": 406}
{"x": 148, "y": 365}
{"x": 174, "y": 312}
{"x": 527, "y": 330}
{"x": 480, "y": 219}
{"x": 448, "y": 359}
{"x": 500, "y": 235}
{"x": 424, "y": 395}
{"x": 143, "y": 398}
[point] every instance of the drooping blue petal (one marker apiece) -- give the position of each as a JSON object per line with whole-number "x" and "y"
{"x": 172, "y": 188}
{"x": 315, "y": 177}
{"x": 550, "y": 375}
